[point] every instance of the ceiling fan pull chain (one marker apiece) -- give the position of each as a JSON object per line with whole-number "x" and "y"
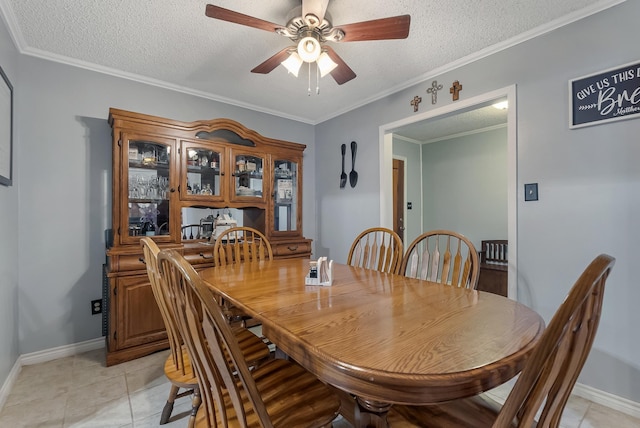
{"x": 309, "y": 87}
{"x": 317, "y": 81}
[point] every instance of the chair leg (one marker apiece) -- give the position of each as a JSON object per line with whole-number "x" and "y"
{"x": 195, "y": 405}
{"x": 168, "y": 407}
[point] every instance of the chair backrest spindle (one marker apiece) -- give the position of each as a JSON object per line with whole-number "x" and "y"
{"x": 376, "y": 248}
{"x": 241, "y": 244}
{"x": 430, "y": 258}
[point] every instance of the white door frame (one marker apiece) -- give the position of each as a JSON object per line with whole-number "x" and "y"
{"x": 386, "y": 168}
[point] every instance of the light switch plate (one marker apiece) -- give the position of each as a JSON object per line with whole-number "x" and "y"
{"x": 531, "y": 192}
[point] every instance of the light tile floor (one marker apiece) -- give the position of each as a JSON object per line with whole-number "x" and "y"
{"x": 80, "y": 391}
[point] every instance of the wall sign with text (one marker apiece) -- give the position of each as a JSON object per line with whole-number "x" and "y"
{"x": 606, "y": 96}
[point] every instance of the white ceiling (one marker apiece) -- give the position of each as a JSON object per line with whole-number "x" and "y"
{"x": 460, "y": 123}
{"x": 173, "y": 44}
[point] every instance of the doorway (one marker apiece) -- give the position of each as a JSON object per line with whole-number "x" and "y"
{"x": 398, "y": 197}
{"x": 386, "y": 162}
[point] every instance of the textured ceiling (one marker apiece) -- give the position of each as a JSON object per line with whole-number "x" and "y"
{"x": 457, "y": 123}
{"x": 172, "y": 43}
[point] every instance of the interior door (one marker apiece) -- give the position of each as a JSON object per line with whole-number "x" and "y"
{"x": 398, "y": 197}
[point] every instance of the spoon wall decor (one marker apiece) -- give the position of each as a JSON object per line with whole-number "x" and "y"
{"x": 343, "y": 176}
{"x": 353, "y": 175}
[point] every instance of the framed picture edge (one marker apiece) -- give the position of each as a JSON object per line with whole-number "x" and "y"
{"x": 6, "y": 177}
{"x": 572, "y": 124}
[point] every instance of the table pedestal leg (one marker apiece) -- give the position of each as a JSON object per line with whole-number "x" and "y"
{"x": 371, "y": 413}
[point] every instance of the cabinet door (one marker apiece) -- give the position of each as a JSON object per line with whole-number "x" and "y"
{"x": 138, "y": 318}
{"x": 203, "y": 172}
{"x": 248, "y": 185}
{"x": 286, "y": 217}
{"x": 147, "y": 186}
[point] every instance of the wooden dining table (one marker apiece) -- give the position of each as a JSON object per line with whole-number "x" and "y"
{"x": 381, "y": 338}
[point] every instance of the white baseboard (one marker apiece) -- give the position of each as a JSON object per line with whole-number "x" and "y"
{"x": 606, "y": 399}
{"x": 9, "y": 382}
{"x": 595, "y": 395}
{"x": 44, "y": 356}
{"x": 61, "y": 352}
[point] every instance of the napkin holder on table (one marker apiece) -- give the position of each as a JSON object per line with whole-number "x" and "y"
{"x": 320, "y": 272}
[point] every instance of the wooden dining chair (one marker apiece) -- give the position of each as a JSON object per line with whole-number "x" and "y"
{"x": 442, "y": 256}
{"x": 544, "y": 385}
{"x": 377, "y": 248}
{"x": 278, "y": 393}
{"x": 192, "y": 231}
{"x": 240, "y": 244}
{"x": 177, "y": 367}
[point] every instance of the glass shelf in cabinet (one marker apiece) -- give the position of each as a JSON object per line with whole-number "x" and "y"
{"x": 147, "y": 201}
{"x": 250, "y": 174}
{"x": 200, "y": 169}
{"x": 148, "y": 165}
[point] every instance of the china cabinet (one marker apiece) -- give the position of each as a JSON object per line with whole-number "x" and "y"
{"x": 165, "y": 173}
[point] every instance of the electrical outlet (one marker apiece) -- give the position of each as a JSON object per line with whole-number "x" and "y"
{"x": 96, "y": 307}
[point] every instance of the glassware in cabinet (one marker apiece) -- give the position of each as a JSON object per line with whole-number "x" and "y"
{"x": 285, "y": 195}
{"x": 203, "y": 170}
{"x": 148, "y": 182}
{"x": 248, "y": 174}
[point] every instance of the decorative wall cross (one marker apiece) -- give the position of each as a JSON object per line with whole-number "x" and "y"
{"x": 455, "y": 90}
{"x": 416, "y": 100}
{"x": 433, "y": 90}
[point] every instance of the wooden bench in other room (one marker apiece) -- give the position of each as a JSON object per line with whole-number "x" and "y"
{"x": 494, "y": 263}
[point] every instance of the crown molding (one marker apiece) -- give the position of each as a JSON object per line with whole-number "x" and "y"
{"x": 465, "y": 134}
{"x": 20, "y": 43}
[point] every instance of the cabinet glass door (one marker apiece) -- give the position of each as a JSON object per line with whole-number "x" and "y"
{"x": 248, "y": 176}
{"x": 148, "y": 185}
{"x": 204, "y": 170}
{"x": 285, "y": 193}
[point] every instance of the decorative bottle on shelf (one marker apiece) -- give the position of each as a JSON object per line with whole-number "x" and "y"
{"x": 206, "y": 190}
{"x": 148, "y": 229}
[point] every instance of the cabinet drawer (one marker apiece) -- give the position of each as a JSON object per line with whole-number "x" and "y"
{"x": 199, "y": 255}
{"x": 126, "y": 262}
{"x": 299, "y": 248}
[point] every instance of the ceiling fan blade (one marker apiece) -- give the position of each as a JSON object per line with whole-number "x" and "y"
{"x": 395, "y": 27}
{"x": 342, "y": 73}
{"x": 315, "y": 7}
{"x": 240, "y": 18}
{"x": 270, "y": 64}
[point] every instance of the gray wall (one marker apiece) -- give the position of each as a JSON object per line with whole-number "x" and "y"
{"x": 65, "y": 187}
{"x": 589, "y": 183}
{"x": 589, "y": 179}
{"x": 465, "y": 185}
{"x": 9, "y": 244}
{"x": 413, "y": 189}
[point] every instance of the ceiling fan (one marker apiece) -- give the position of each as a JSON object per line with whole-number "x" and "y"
{"x": 309, "y": 26}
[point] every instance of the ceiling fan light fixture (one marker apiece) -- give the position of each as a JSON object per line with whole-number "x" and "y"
{"x": 293, "y": 63}
{"x": 309, "y": 48}
{"x": 325, "y": 64}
